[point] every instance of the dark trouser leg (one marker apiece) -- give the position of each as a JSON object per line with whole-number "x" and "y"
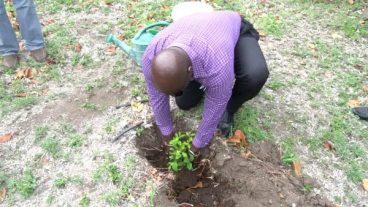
{"x": 251, "y": 72}
{"x": 191, "y": 96}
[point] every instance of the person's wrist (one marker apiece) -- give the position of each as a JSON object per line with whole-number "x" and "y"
{"x": 194, "y": 151}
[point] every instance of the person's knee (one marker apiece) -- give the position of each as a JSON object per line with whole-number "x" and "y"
{"x": 23, "y": 3}
{"x": 258, "y": 76}
{"x": 183, "y": 105}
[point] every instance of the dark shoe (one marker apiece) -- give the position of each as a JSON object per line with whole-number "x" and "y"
{"x": 10, "y": 61}
{"x": 226, "y": 124}
{"x": 39, "y": 55}
{"x": 362, "y": 112}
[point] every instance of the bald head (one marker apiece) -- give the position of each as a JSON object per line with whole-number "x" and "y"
{"x": 170, "y": 70}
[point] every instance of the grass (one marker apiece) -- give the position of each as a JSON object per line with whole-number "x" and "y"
{"x": 60, "y": 182}
{"x": 51, "y": 145}
{"x": 25, "y": 185}
{"x": 247, "y": 120}
{"x": 111, "y": 124}
{"x": 84, "y": 201}
{"x": 50, "y": 199}
{"x": 75, "y": 140}
{"x": 89, "y": 105}
{"x": 58, "y": 39}
{"x": 9, "y": 100}
{"x": 271, "y": 25}
{"x": 40, "y": 132}
{"x": 288, "y": 151}
{"x": 109, "y": 172}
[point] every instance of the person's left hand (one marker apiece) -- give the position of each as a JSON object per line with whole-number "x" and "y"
{"x": 199, "y": 154}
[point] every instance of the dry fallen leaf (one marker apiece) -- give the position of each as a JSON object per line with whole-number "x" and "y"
{"x": 365, "y": 184}
{"x": 24, "y": 94}
{"x": 137, "y": 106}
{"x": 328, "y": 145}
{"x": 5, "y": 137}
{"x": 185, "y": 205}
{"x": 198, "y": 185}
{"x": 351, "y": 1}
{"x": 365, "y": 88}
{"x": 297, "y": 168}
{"x": 78, "y": 47}
{"x": 246, "y": 155}
{"x": 2, "y": 194}
{"x": 353, "y": 103}
{"x": 25, "y": 73}
{"x": 238, "y": 138}
{"x": 111, "y": 49}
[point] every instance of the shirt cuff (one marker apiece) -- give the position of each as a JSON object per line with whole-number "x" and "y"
{"x": 166, "y": 130}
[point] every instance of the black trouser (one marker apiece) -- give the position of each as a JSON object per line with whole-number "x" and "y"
{"x": 250, "y": 70}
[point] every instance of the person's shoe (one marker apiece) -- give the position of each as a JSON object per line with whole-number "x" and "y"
{"x": 39, "y": 55}
{"x": 362, "y": 112}
{"x": 10, "y": 61}
{"x": 226, "y": 124}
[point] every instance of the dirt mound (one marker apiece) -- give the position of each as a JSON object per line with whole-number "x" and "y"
{"x": 230, "y": 180}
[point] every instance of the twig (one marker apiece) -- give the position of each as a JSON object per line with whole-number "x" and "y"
{"x": 129, "y": 104}
{"x": 126, "y": 130}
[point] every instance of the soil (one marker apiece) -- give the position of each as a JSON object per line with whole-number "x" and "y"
{"x": 228, "y": 179}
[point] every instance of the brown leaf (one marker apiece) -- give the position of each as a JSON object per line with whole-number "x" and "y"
{"x": 353, "y": 103}
{"x": 246, "y": 155}
{"x": 185, "y": 205}
{"x": 351, "y": 1}
{"x": 238, "y": 138}
{"x": 263, "y": 1}
{"x": 2, "y": 194}
{"x": 5, "y": 137}
{"x": 365, "y": 184}
{"x": 50, "y": 61}
{"x": 297, "y": 168}
{"x": 111, "y": 49}
{"x": 45, "y": 91}
{"x": 78, "y": 47}
{"x": 328, "y": 145}
{"x": 25, "y": 73}
{"x": 198, "y": 185}
{"x": 358, "y": 66}
{"x": 24, "y": 94}
{"x": 165, "y": 7}
{"x": 365, "y": 88}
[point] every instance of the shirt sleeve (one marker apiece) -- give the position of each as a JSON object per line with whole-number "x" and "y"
{"x": 159, "y": 101}
{"x": 218, "y": 93}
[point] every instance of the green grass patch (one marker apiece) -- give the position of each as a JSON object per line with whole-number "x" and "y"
{"x": 25, "y": 185}
{"x": 75, "y": 140}
{"x": 40, "y": 132}
{"x": 58, "y": 39}
{"x": 111, "y": 124}
{"x": 60, "y": 182}
{"x": 89, "y": 105}
{"x": 51, "y": 145}
{"x": 107, "y": 171}
{"x": 84, "y": 201}
{"x": 288, "y": 151}
{"x": 247, "y": 120}
{"x": 271, "y": 25}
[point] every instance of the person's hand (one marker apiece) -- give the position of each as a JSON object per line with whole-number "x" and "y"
{"x": 166, "y": 141}
{"x": 199, "y": 154}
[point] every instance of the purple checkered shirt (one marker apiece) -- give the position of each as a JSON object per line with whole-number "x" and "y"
{"x": 209, "y": 40}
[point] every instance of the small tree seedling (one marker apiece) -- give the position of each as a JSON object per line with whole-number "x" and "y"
{"x": 179, "y": 152}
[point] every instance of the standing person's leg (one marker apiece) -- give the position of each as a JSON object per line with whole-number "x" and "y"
{"x": 190, "y": 97}
{"x": 30, "y": 28}
{"x": 8, "y": 42}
